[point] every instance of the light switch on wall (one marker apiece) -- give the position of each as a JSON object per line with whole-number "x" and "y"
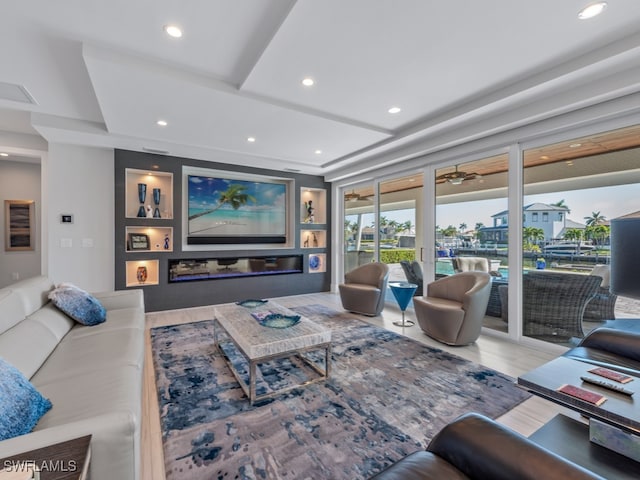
{"x": 87, "y": 242}
{"x": 66, "y": 242}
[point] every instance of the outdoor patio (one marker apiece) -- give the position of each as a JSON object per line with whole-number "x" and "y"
{"x": 625, "y": 307}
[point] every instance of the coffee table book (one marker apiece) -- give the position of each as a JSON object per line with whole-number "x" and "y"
{"x": 582, "y": 394}
{"x": 611, "y": 375}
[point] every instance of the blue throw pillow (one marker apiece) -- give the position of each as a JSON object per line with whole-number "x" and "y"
{"x": 78, "y": 304}
{"x": 21, "y": 405}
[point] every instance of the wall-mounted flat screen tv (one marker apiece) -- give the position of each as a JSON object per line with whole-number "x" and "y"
{"x": 235, "y": 210}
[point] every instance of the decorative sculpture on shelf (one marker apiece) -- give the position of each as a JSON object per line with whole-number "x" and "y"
{"x": 310, "y": 209}
{"x": 149, "y": 211}
{"x": 142, "y": 195}
{"x": 306, "y": 242}
{"x": 166, "y": 241}
{"x": 315, "y": 240}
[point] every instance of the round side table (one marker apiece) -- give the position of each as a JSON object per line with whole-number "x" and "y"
{"x": 403, "y": 291}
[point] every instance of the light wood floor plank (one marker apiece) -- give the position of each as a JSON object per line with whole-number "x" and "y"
{"x": 491, "y": 351}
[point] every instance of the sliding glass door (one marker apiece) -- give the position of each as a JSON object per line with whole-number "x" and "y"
{"x": 471, "y": 225}
{"x": 572, "y": 191}
{"x": 389, "y": 230}
{"x": 359, "y": 227}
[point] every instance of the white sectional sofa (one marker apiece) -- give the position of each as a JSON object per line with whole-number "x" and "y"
{"x": 91, "y": 374}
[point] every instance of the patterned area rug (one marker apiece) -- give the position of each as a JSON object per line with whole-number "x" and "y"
{"x": 387, "y": 397}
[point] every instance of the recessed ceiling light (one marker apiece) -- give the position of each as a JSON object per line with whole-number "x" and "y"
{"x": 308, "y": 81}
{"x": 162, "y": 123}
{"x": 251, "y": 139}
{"x": 544, "y": 157}
{"x": 4, "y": 154}
{"x": 318, "y": 152}
{"x": 173, "y": 31}
{"x": 592, "y": 10}
{"x": 575, "y": 145}
{"x": 569, "y": 163}
{"x": 394, "y": 110}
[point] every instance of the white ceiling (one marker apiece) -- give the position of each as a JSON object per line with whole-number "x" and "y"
{"x": 103, "y": 72}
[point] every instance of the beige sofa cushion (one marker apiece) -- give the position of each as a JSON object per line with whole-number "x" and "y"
{"x": 12, "y": 308}
{"x": 91, "y": 353}
{"x": 28, "y": 344}
{"x": 90, "y": 394}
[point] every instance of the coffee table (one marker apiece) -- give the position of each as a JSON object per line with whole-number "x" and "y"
{"x": 259, "y": 344}
{"x": 619, "y": 410}
{"x": 570, "y": 438}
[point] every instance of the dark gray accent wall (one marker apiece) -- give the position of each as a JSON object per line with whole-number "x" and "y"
{"x": 167, "y": 296}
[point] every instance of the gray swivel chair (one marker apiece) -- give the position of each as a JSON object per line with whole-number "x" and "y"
{"x": 413, "y": 272}
{"x": 364, "y": 289}
{"x": 453, "y": 308}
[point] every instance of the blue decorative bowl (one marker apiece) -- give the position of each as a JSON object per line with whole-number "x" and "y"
{"x": 314, "y": 262}
{"x": 277, "y": 320}
{"x": 251, "y": 303}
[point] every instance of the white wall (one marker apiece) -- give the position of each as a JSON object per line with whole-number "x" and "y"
{"x": 79, "y": 181}
{"x": 20, "y": 181}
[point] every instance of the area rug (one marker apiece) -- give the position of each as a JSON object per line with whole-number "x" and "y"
{"x": 387, "y": 396}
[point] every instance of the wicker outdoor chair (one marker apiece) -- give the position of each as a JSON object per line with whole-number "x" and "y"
{"x": 602, "y": 305}
{"x": 554, "y": 303}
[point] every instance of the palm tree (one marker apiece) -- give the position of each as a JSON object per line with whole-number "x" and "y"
{"x": 595, "y": 219}
{"x": 407, "y": 226}
{"x": 450, "y": 231}
{"x": 561, "y": 204}
{"x": 234, "y": 196}
{"x": 574, "y": 234}
{"x": 598, "y": 233}
{"x": 532, "y": 234}
{"x": 463, "y": 227}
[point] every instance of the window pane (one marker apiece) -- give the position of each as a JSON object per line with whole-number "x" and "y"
{"x": 359, "y": 227}
{"x": 578, "y": 187}
{"x": 472, "y": 225}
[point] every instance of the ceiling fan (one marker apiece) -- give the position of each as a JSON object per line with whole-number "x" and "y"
{"x": 457, "y": 177}
{"x": 354, "y": 197}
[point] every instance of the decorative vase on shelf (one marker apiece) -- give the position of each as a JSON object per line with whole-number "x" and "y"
{"x": 142, "y": 195}
{"x": 141, "y": 274}
{"x": 156, "y": 201}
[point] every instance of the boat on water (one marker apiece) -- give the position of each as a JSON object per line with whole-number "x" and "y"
{"x": 565, "y": 248}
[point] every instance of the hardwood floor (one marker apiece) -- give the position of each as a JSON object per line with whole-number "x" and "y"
{"x": 491, "y": 351}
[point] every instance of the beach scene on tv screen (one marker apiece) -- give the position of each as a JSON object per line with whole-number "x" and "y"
{"x": 229, "y": 207}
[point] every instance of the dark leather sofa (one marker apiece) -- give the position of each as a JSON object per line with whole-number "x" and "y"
{"x": 614, "y": 348}
{"x": 475, "y": 447}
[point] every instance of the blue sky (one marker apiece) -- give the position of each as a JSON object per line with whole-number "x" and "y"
{"x": 611, "y": 202}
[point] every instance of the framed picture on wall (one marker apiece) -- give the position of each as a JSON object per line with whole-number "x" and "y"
{"x": 19, "y": 225}
{"x": 138, "y": 241}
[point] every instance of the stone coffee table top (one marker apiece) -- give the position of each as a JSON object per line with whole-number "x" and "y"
{"x": 257, "y": 341}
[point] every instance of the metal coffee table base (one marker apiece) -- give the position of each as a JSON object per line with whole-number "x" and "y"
{"x": 250, "y": 388}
